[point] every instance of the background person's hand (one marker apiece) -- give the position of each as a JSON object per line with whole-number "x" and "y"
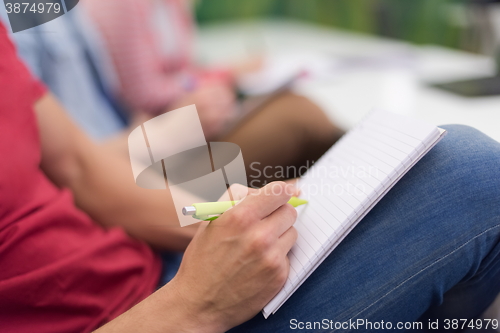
{"x": 247, "y": 66}
{"x": 215, "y": 103}
{"x": 237, "y": 263}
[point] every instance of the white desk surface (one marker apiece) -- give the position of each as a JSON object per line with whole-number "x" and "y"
{"x": 348, "y": 96}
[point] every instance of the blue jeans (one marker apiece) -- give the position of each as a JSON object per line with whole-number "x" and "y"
{"x": 171, "y": 262}
{"x": 429, "y": 250}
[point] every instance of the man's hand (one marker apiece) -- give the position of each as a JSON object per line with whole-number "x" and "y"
{"x": 237, "y": 263}
{"x": 233, "y": 267}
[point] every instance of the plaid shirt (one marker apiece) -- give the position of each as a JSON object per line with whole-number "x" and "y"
{"x": 149, "y": 78}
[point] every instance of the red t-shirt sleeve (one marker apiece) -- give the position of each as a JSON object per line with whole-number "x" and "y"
{"x": 39, "y": 90}
{"x": 34, "y": 89}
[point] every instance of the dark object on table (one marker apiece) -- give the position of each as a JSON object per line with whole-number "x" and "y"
{"x": 482, "y": 87}
{"x": 488, "y": 86}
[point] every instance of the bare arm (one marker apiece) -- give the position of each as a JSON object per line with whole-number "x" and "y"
{"x": 102, "y": 183}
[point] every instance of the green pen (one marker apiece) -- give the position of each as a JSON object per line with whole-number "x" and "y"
{"x": 202, "y": 211}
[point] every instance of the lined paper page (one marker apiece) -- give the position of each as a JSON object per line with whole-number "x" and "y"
{"x": 346, "y": 183}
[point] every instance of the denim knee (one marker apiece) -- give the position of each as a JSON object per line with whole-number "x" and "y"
{"x": 474, "y": 158}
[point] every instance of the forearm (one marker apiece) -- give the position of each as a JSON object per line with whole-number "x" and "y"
{"x": 104, "y": 188}
{"x": 103, "y": 183}
{"x": 164, "y": 311}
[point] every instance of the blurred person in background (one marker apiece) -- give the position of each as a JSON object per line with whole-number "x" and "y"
{"x": 151, "y": 44}
{"x": 67, "y": 54}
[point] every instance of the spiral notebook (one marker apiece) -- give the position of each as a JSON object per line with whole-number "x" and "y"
{"x": 346, "y": 183}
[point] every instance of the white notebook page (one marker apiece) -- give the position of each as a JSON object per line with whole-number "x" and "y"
{"x": 346, "y": 183}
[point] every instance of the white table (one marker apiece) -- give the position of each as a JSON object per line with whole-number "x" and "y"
{"x": 348, "y": 96}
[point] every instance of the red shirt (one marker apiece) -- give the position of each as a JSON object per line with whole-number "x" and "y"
{"x": 59, "y": 271}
